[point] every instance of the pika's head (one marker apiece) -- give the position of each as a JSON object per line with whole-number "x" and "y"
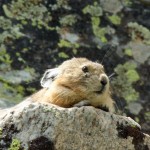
{"x": 79, "y": 75}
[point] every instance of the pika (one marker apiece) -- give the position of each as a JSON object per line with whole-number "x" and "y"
{"x": 76, "y": 82}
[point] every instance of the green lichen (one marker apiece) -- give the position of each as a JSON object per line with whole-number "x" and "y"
{"x": 65, "y": 43}
{"x": 15, "y": 31}
{"x": 128, "y": 52}
{"x": 10, "y": 35}
{"x": 74, "y": 51}
{"x": 127, "y": 75}
{"x": 147, "y": 115}
{"x": 60, "y": 4}
{"x": 139, "y": 33}
{"x": 10, "y": 83}
{"x": 127, "y": 2}
{"x": 132, "y": 75}
{"x": 46, "y": 109}
{"x": 10, "y": 31}
{"x": 53, "y": 111}
{"x": 63, "y": 55}
{"x": 0, "y": 132}
{"x": 5, "y": 23}
{"x": 9, "y": 92}
{"x": 29, "y": 11}
{"x": 99, "y": 31}
{"x": 4, "y": 56}
{"x": 68, "y": 20}
{"x": 94, "y": 10}
{"x": 115, "y": 19}
{"x": 130, "y": 65}
{"x": 15, "y": 145}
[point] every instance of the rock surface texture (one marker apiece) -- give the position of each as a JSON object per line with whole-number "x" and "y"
{"x": 36, "y": 126}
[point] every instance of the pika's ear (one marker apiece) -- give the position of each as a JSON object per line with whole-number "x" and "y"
{"x": 48, "y": 77}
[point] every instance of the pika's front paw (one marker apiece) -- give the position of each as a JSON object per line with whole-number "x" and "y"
{"x": 82, "y": 103}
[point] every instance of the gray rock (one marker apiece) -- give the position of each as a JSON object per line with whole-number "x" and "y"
{"x": 112, "y": 6}
{"x": 17, "y": 76}
{"x": 5, "y": 104}
{"x": 135, "y": 108}
{"x": 46, "y": 126}
{"x": 141, "y": 52}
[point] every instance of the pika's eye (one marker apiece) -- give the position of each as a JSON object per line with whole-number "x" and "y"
{"x": 85, "y": 69}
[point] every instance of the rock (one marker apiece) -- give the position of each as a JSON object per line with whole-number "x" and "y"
{"x": 36, "y": 126}
{"x": 111, "y": 6}
{"x": 5, "y": 103}
{"x": 140, "y": 51}
{"x": 18, "y": 76}
{"x": 135, "y": 108}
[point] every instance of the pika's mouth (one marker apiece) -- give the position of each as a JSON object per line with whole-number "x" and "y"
{"x": 101, "y": 90}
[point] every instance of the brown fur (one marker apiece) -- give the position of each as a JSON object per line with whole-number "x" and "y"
{"x": 72, "y": 86}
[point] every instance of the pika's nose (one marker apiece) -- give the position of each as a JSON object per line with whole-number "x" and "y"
{"x": 103, "y": 81}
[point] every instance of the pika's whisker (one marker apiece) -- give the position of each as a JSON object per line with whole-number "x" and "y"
{"x": 112, "y": 75}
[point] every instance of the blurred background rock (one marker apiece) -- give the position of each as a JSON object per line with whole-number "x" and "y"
{"x": 36, "y": 35}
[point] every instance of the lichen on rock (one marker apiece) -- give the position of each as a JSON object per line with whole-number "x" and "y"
{"x": 51, "y": 127}
{"x": 30, "y": 11}
{"x": 139, "y": 32}
{"x": 127, "y": 75}
{"x": 115, "y": 19}
{"x": 15, "y": 145}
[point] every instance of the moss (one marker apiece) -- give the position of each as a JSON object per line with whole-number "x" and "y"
{"x": 116, "y": 20}
{"x": 139, "y": 32}
{"x": 15, "y": 145}
{"x": 127, "y": 75}
{"x": 94, "y": 10}
{"x": 128, "y": 52}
